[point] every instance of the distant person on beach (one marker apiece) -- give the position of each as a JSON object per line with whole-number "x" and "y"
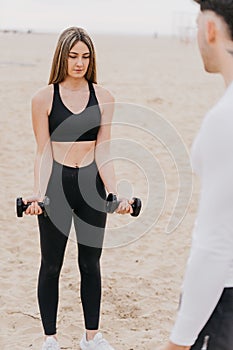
{"x": 72, "y": 125}
{"x": 205, "y": 317}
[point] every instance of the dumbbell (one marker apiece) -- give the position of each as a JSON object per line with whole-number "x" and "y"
{"x": 21, "y": 207}
{"x": 112, "y": 204}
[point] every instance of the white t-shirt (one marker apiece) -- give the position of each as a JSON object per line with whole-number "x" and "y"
{"x": 210, "y": 265}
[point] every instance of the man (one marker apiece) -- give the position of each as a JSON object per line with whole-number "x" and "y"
{"x": 205, "y": 318}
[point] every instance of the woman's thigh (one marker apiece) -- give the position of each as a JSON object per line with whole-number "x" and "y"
{"x": 52, "y": 242}
{"x": 90, "y": 207}
{"x": 59, "y": 211}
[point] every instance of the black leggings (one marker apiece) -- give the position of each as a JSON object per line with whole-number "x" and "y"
{"x": 217, "y": 334}
{"x": 77, "y": 193}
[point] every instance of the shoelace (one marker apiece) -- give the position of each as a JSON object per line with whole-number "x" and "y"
{"x": 104, "y": 342}
{"x": 52, "y": 346}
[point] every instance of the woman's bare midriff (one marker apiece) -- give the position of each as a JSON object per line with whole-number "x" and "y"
{"x": 74, "y": 154}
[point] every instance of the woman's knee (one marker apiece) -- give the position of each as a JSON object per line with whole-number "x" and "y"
{"x": 50, "y": 270}
{"x": 89, "y": 269}
{"x": 89, "y": 262}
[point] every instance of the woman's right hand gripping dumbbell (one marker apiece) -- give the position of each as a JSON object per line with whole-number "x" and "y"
{"x": 33, "y": 208}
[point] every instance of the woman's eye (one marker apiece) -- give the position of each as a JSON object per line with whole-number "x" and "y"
{"x": 84, "y": 57}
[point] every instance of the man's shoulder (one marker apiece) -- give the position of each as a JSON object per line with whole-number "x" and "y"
{"x": 221, "y": 114}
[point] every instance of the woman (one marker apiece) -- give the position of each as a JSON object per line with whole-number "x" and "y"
{"x": 72, "y": 125}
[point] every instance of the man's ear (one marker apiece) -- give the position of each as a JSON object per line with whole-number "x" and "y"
{"x": 211, "y": 31}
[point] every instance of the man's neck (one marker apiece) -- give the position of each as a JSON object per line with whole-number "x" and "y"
{"x": 228, "y": 76}
{"x": 227, "y": 65}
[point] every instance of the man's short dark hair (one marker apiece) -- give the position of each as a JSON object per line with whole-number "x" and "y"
{"x": 223, "y": 8}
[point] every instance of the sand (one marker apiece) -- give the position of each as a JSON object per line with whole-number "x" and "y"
{"x": 142, "y": 265}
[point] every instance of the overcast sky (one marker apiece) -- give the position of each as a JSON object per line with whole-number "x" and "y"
{"x": 98, "y": 16}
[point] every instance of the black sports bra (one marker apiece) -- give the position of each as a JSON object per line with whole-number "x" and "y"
{"x": 66, "y": 126}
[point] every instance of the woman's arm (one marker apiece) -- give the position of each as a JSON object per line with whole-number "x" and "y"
{"x": 102, "y": 152}
{"x": 43, "y": 160}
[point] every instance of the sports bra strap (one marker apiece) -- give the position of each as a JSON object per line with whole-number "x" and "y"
{"x": 91, "y": 88}
{"x": 56, "y": 88}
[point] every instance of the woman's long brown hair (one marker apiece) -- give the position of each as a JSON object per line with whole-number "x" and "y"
{"x": 66, "y": 41}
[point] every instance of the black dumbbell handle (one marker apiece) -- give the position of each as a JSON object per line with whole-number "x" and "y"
{"x": 25, "y": 206}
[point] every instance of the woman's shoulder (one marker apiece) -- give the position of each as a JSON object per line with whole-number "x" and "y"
{"x": 103, "y": 94}
{"x": 43, "y": 95}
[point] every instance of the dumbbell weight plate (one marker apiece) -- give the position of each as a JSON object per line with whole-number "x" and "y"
{"x": 137, "y": 204}
{"x": 19, "y": 207}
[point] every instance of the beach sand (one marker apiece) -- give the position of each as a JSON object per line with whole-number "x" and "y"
{"x": 142, "y": 265}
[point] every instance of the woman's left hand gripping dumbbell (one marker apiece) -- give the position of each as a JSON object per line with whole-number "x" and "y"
{"x": 125, "y": 206}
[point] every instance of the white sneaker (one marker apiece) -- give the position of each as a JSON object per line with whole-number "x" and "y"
{"x": 98, "y": 343}
{"x": 50, "y": 344}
